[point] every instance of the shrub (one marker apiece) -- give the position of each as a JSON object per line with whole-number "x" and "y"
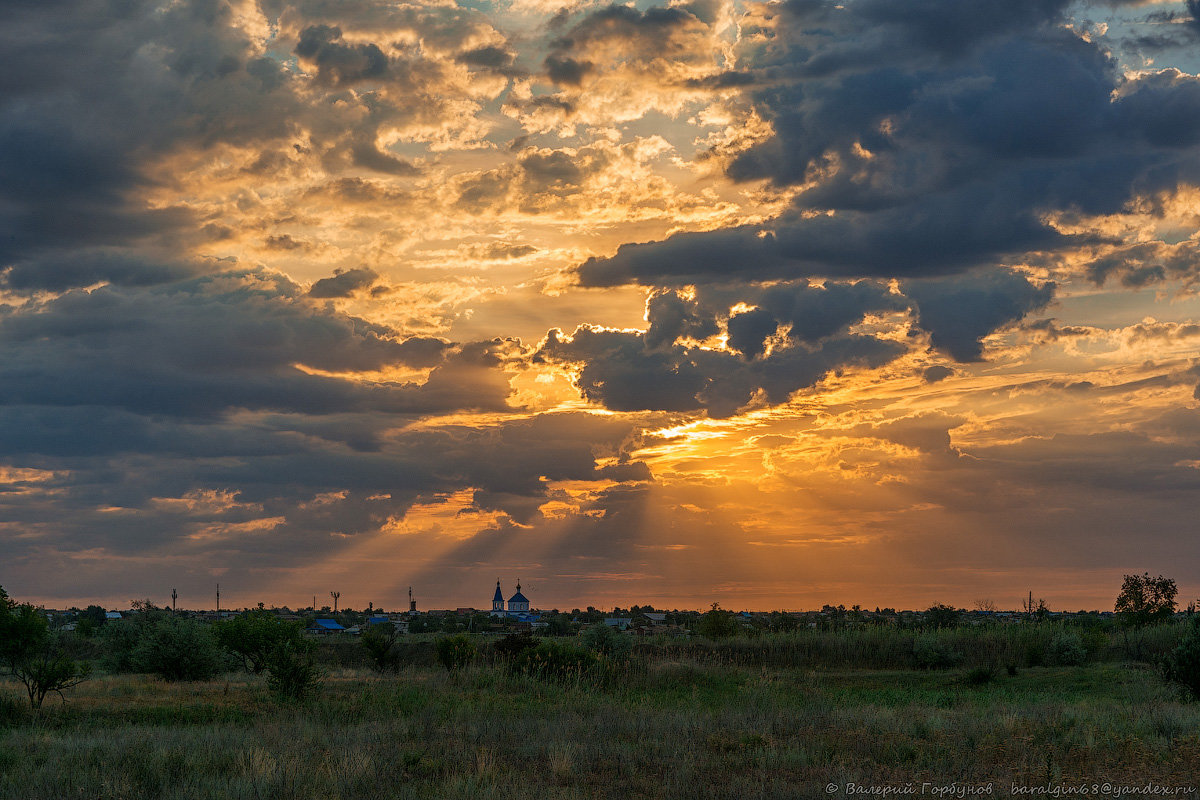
{"x": 380, "y": 643}
{"x": 555, "y": 660}
{"x": 929, "y": 652}
{"x": 254, "y": 635}
{"x": 291, "y": 669}
{"x": 178, "y": 649}
{"x": 32, "y": 656}
{"x": 117, "y": 642}
{"x": 717, "y": 623}
{"x": 607, "y": 641}
{"x": 1182, "y": 665}
{"x": 455, "y": 652}
{"x": 513, "y": 645}
{"x": 1066, "y": 650}
{"x": 12, "y": 713}
{"x": 978, "y": 676}
{"x": 940, "y": 615}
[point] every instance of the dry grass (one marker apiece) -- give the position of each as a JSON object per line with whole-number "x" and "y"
{"x": 672, "y": 730}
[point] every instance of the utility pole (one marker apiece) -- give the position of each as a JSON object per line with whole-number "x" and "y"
{"x": 218, "y": 601}
{"x": 174, "y": 596}
{"x": 335, "y": 596}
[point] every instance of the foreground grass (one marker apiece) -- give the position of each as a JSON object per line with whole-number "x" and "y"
{"x": 674, "y": 730}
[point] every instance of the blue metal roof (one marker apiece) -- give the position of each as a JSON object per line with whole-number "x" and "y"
{"x": 497, "y": 595}
{"x": 329, "y": 625}
{"x": 518, "y": 598}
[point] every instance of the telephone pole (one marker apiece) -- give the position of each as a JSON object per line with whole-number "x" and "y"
{"x": 174, "y": 596}
{"x": 218, "y": 601}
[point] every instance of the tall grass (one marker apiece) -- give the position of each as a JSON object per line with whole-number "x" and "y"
{"x": 680, "y": 729}
{"x": 774, "y": 716}
{"x": 1021, "y": 645}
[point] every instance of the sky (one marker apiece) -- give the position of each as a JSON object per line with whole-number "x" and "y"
{"x": 768, "y": 304}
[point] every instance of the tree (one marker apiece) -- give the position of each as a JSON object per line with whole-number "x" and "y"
{"x": 292, "y": 671}
{"x": 455, "y": 652}
{"x": 985, "y": 606}
{"x": 32, "y": 656}
{"x": 717, "y": 623}
{"x": 1182, "y": 665}
{"x": 607, "y": 641}
{"x": 940, "y": 615}
{"x": 379, "y": 641}
{"x": 254, "y": 635}
{"x": 1035, "y": 610}
{"x": 177, "y": 649}
{"x": 1144, "y": 600}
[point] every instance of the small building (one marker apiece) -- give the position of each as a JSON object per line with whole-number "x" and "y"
{"x": 620, "y": 623}
{"x": 325, "y": 626}
{"x": 112, "y": 615}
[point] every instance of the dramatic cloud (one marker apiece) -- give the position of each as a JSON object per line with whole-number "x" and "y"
{"x": 901, "y": 292}
{"x": 931, "y": 139}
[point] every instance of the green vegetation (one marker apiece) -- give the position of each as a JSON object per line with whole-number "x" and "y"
{"x": 253, "y": 636}
{"x": 664, "y": 729}
{"x": 455, "y": 652}
{"x": 33, "y": 656}
{"x": 292, "y": 671}
{"x": 761, "y": 708}
{"x": 177, "y": 649}
{"x": 1144, "y": 600}
{"x": 1182, "y": 665}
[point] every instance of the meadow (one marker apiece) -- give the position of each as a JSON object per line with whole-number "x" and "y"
{"x": 777, "y": 716}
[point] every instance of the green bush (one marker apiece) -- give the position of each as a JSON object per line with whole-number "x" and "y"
{"x": 940, "y": 615}
{"x": 118, "y": 641}
{"x": 1066, "y": 650}
{"x": 178, "y": 649}
{"x": 252, "y": 637}
{"x": 930, "y": 652}
{"x": 978, "y": 676}
{"x": 32, "y": 655}
{"x": 380, "y": 643}
{"x": 455, "y": 652}
{"x": 607, "y": 641}
{"x": 513, "y": 645}
{"x": 291, "y": 669}
{"x": 1182, "y": 665}
{"x": 717, "y": 623}
{"x": 555, "y": 660}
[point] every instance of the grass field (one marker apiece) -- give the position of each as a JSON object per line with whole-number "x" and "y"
{"x": 669, "y": 730}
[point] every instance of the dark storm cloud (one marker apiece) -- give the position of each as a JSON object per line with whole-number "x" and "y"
{"x": 93, "y": 92}
{"x": 59, "y": 271}
{"x": 622, "y": 372}
{"x": 936, "y": 373}
{"x": 235, "y": 340}
{"x": 338, "y": 63}
{"x": 961, "y": 310}
{"x": 345, "y": 283}
{"x": 929, "y": 139}
{"x": 493, "y": 57}
{"x": 780, "y": 337}
{"x": 1146, "y": 263}
{"x": 276, "y": 498}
